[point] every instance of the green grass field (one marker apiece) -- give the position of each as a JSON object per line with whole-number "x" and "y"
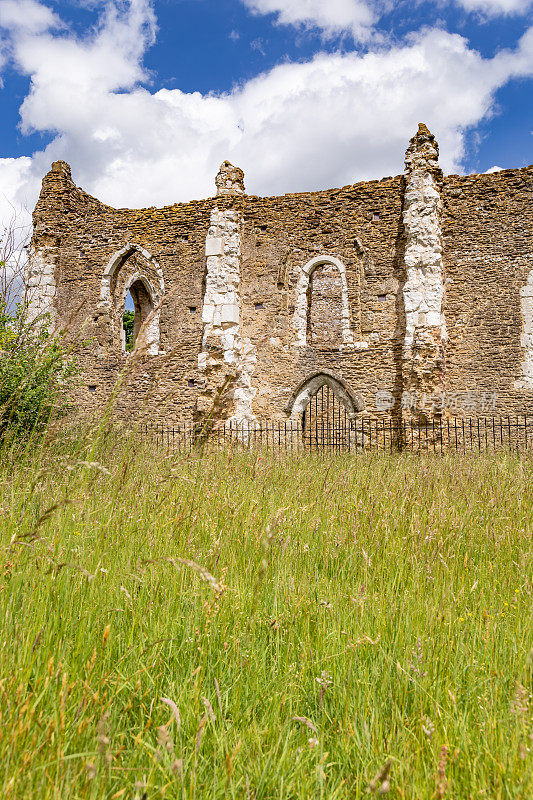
{"x": 235, "y": 626}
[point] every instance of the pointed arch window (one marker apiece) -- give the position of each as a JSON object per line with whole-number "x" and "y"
{"x": 138, "y": 320}
{"x": 133, "y": 272}
{"x": 308, "y": 388}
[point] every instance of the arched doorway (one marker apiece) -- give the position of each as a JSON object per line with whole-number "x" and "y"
{"x": 325, "y": 408}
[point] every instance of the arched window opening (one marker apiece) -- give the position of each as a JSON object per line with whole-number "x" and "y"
{"x": 324, "y": 307}
{"x": 325, "y": 407}
{"x": 138, "y": 308}
{"x": 128, "y": 323}
{"x": 322, "y": 313}
{"x": 131, "y": 291}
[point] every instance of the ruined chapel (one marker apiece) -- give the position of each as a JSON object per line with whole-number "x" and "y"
{"x": 407, "y": 295}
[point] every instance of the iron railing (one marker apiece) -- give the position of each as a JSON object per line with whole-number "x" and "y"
{"x": 361, "y": 434}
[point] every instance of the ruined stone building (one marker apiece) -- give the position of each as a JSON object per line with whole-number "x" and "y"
{"x": 404, "y": 295}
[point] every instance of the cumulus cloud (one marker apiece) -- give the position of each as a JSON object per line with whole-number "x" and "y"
{"x": 332, "y": 16}
{"x": 27, "y": 15}
{"x": 330, "y": 121}
{"x": 17, "y": 188}
{"x": 360, "y": 17}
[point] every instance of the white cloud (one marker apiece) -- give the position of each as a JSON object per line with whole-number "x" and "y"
{"x": 332, "y": 16}
{"x": 360, "y": 17}
{"x": 17, "y": 188}
{"x": 494, "y": 8}
{"x": 331, "y": 121}
{"x": 28, "y": 15}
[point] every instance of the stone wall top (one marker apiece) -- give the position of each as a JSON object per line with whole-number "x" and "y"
{"x": 230, "y": 180}
{"x": 423, "y": 152}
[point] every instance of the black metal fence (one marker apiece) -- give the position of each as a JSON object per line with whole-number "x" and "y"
{"x": 357, "y": 435}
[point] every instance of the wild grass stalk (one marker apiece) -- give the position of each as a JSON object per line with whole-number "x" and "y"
{"x": 234, "y": 625}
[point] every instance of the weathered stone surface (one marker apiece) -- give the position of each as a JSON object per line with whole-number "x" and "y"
{"x": 227, "y": 361}
{"x": 423, "y": 291}
{"x": 228, "y": 274}
{"x": 230, "y": 180}
{"x": 526, "y": 294}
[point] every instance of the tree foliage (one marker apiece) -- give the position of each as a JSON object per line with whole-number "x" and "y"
{"x": 128, "y": 321}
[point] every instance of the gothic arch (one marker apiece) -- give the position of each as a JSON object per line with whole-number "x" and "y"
{"x": 526, "y": 294}
{"x": 301, "y": 310}
{"x": 117, "y": 260}
{"x": 307, "y": 389}
{"x": 151, "y": 317}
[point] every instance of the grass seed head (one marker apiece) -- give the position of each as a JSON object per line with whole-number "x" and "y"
{"x": 380, "y": 783}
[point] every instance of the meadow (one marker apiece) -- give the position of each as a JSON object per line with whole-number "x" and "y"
{"x": 232, "y": 625}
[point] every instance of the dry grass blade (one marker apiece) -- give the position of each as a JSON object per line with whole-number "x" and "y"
{"x": 307, "y": 722}
{"x": 174, "y": 708}
{"x": 42, "y": 519}
{"x": 204, "y": 575}
{"x": 199, "y": 732}
{"x": 209, "y": 709}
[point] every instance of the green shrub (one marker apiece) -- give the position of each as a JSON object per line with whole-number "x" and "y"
{"x": 34, "y": 367}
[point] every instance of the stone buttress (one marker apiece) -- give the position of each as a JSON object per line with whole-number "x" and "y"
{"x": 423, "y": 367}
{"x": 227, "y": 361}
{"x": 42, "y": 277}
{"x": 526, "y": 294}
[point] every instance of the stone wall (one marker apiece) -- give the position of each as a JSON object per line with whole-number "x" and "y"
{"x": 422, "y": 281}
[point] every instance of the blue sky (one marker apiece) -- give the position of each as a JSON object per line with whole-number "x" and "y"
{"x": 145, "y": 99}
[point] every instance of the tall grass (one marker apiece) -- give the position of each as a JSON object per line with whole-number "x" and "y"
{"x": 236, "y": 626}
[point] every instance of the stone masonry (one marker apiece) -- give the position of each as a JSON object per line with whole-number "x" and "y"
{"x": 423, "y": 291}
{"x": 408, "y": 296}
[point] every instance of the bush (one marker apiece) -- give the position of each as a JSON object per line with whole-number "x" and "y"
{"x": 33, "y": 369}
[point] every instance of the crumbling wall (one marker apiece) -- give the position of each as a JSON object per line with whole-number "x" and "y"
{"x": 432, "y": 293}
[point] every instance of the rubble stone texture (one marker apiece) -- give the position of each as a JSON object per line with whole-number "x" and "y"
{"x": 230, "y": 180}
{"x": 419, "y": 283}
